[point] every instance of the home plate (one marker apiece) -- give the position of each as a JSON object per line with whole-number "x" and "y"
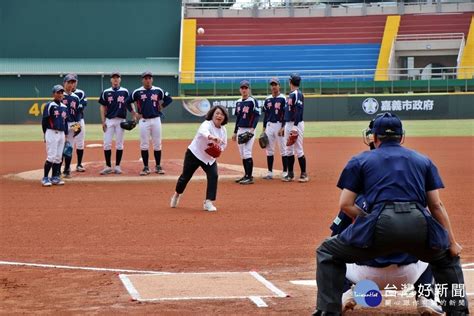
{"x": 200, "y": 286}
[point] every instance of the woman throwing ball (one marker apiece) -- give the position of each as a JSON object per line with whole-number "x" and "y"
{"x": 209, "y": 142}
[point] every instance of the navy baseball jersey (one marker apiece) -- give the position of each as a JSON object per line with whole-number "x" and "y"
{"x": 55, "y": 117}
{"x": 247, "y": 112}
{"x": 149, "y": 102}
{"x": 72, "y": 102}
{"x": 294, "y": 107}
{"x": 82, "y": 102}
{"x": 273, "y": 109}
{"x": 114, "y": 99}
{"x": 390, "y": 173}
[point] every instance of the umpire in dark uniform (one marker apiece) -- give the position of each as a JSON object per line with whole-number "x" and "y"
{"x": 398, "y": 184}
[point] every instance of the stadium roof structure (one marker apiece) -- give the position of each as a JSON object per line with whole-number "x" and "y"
{"x": 159, "y": 66}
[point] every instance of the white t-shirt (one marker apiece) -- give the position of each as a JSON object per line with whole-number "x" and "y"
{"x": 200, "y": 141}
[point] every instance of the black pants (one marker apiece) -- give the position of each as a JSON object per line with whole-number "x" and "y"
{"x": 190, "y": 165}
{"x": 394, "y": 232}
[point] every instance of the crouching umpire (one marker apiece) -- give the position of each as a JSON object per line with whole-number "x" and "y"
{"x": 398, "y": 184}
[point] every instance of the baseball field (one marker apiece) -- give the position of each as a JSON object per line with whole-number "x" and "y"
{"x": 116, "y": 247}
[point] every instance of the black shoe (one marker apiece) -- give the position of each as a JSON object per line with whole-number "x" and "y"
{"x": 67, "y": 173}
{"x": 145, "y": 171}
{"x": 240, "y": 179}
{"x": 159, "y": 170}
{"x": 288, "y": 178}
{"x": 321, "y": 313}
{"x": 247, "y": 180}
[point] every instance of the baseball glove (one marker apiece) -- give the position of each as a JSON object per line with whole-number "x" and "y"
{"x": 67, "y": 151}
{"x": 76, "y": 128}
{"x": 263, "y": 140}
{"x": 292, "y": 138}
{"x": 244, "y": 137}
{"x": 128, "y": 125}
{"x": 213, "y": 150}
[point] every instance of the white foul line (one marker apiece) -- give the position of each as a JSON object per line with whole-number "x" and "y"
{"x": 268, "y": 284}
{"x": 257, "y": 300}
{"x": 467, "y": 265}
{"x": 129, "y": 286}
{"x": 56, "y": 266}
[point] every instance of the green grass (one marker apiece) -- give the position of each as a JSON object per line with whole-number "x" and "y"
{"x": 312, "y": 129}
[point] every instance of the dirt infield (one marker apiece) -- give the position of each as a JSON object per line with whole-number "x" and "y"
{"x": 270, "y": 227}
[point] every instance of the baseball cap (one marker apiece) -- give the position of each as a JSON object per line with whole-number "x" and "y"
{"x": 295, "y": 79}
{"x": 387, "y": 124}
{"x": 245, "y": 83}
{"x": 274, "y": 80}
{"x": 70, "y": 77}
{"x": 58, "y": 88}
{"x": 115, "y": 73}
{"x": 147, "y": 73}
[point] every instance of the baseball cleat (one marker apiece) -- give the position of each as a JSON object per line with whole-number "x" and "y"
{"x": 289, "y": 177}
{"x": 46, "y": 182}
{"x": 239, "y": 179}
{"x": 57, "y": 181}
{"x": 247, "y": 180}
{"x": 80, "y": 168}
{"x": 118, "y": 170}
{"x": 106, "y": 170}
{"x": 268, "y": 176}
{"x": 348, "y": 302}
{"x": 303, "y": 178}
{"x": 67, "y": 173}
{"x": 145, "y": 171}
{"x": 175, "y": 200}
{"x": 208, "y": 206}
{"x": 159, "y": 170}
{"x": 284, "y": 174}
{"x": 426, "y": 307}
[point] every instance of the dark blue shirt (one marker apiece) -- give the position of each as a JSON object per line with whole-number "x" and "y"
{"x": 149, "y": 102}
{"x": 54, "y": 117}
{"x": 114, "y": 99}
{"x": 72, "y": 102}
{"x": 274, "y": 109}
{"x": 294, "y": 107}
{"x": 390, "y": 173}
{"x": 247, "y": 112}
{"x": 82, "y": 102}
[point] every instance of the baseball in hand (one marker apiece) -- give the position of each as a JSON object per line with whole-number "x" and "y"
{"x": 200, "y": 31}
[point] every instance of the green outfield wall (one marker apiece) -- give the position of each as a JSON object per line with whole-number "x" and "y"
{"x": 317, "y": 108}
{"x": 89, "y": 28}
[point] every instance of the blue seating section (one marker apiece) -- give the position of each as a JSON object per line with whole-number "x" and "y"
{"x": 325, "y": 61}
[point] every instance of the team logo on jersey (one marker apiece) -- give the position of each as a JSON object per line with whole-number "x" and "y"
{"x": 121, "y": 99}
{"x": 370, "y": 106}
{"x": 367, "y": 293}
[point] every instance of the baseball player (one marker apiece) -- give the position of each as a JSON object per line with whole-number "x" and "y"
{"x": 149, "y": 103}
{"x": 399, "y": 186}
{"x": 248, "y": 113}
{"x": 113, "y": 111}
{"x": 293, "y": 121}
{"x": 54, "y": 125}
{"x": 73, "y": 103}
{"x": 211, "y": 131}
{"x": 274, "y": 109}
{"x": 79, "y": 139}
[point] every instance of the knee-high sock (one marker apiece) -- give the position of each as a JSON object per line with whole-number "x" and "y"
{"x": 118, "y": 156}
{"x": 157, "y": 154}
{"x": 56, "y": 169}
{"x": 80, "y": 154}
{"x": 250, "y": 167}
{"x": 145, "y": 157}
{"x": 270, "y": 163}
{"x": 108, "y": 155}
{"x": 244, "y": 163}
{"x": 47, "y": 168}
{"x": 284, "y": 162}
{"x": 302, "y": 162}
{"x": 291, "y": 163}
{"x": 67, "y": 162}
